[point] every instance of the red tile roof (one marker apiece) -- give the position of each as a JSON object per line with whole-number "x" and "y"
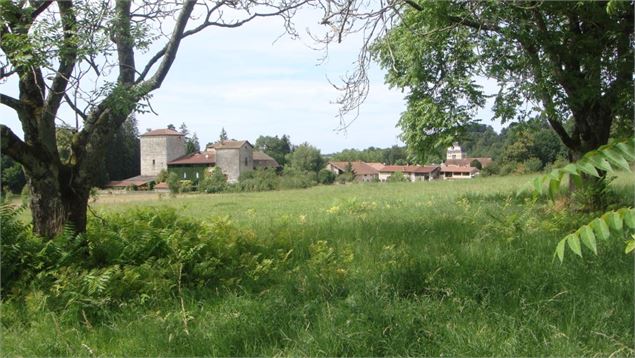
{"x": 263, "y": 158}
{"x": 422, "y": 169}
{"x": 359, "y": 168}
{"x": 162, "y": 132}
{"x": 196, "y": 158}
{"x": 138, "y": 181}
{"x": 458, "y": 169}
{"x": 230, "y": 144}
{"x": 161, "y": 186}
{"x": 377, "y": 166}
{"x": 485, "y": 161}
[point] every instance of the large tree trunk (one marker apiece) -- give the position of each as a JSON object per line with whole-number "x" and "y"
{"x": 57, "y": 201}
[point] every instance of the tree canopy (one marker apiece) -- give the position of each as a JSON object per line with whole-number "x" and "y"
{"x": 558, "y": 61}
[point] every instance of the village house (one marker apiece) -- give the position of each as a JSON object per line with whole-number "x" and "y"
{"x": 456, "y": 156}
{"x": 411, "y": 172}
{"x": 164, "y": 149}
{"x": 458, "y": 172}
{"x": 362, "y": 171}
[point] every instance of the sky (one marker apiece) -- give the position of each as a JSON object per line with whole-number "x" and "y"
{"x": 251, "y": 82}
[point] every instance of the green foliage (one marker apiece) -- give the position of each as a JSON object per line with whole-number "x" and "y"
{"x": 438, "y": 48}
{"x": 173, "y": 183}
{"x": 12, "y": 177}
{"x": 607, "y": 158}
{"x": 162, "y": 177}
{"x": 375, "y": 155}
{"x": 326, "y": 176}
{"x": 275, "y": 147}
{"x": 216, "y": 182}
{"x": 397, "y": 177}
{"x": 305, "y": 157}
{"x": 611, "y": 223}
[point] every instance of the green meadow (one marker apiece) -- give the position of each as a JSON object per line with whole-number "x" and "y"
{"x": 453, "y": 268}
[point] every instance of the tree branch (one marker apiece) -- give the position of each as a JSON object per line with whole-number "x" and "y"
{"x": 10, "y": 102}
{"x": 68, "y": 58}
{"x": 15, "y": 148}
{"x": 208, "y": 23}
{"x": 74, "y": 107}
{"x": 40, "y": 9}
{"x": 125, "y": 43}
{"x": 171, "y": 49}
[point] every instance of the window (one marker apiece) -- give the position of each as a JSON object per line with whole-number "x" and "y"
{"x": 184, "y": 175}
{"x": 152, "y": 161}
{"x": 246, "y": 161}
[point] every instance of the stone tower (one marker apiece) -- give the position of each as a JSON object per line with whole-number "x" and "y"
{"x": 455, "y": 152}
{"x": 234, "y": 157}
{"x": 158, "y": 147}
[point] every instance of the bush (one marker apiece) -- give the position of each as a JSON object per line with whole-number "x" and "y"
{"x": 216, "y": 182}
{"x": 492, "y": 169}
{"x": 259, "y": 180}
{"x": 162, "y": 176}
{"x": 186, "y": 186}
{"x": 173, "y": 183}
{"x": 325, "y": 176}
{"x": 532, "y": 165}
{"x": 397, "y": 177}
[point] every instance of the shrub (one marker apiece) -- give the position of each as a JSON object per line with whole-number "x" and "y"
{"x": 325, "y": 176}
{"x": 216, "y": 182}
{"x": 397, "y": 177}
{"x": 492, "y": 169}
{"x": 162, "y": 176}
{"x": 173, "y": 183}
{"x": 185, "y": 186}
{"x": 532, "y": 165}
{"x": 476, "y": 164}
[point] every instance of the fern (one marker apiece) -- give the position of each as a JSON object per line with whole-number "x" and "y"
{"x": 607, "y": 158}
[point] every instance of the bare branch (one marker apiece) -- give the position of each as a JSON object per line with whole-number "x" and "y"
{"x": 68, "y": 58}
{"x": 10, "y": 102}
{"x": 208, "y": 23}
{"x": 74, "y": 107}
{"x": 40, "y": 9}
{"x": 15, "y": 148}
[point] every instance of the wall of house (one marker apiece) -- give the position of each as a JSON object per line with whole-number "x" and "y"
{"x": 234, "y": 162}
{"x": 193, "y": 172}
{"x": 157, "y": 151}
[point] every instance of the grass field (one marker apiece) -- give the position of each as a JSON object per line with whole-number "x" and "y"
{"x": 461, "y": 268}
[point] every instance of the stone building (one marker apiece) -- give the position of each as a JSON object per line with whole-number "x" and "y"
{"x": 158, "y": 147}
{"x": 232, "y": 157}
{"x": 455, "y": 152}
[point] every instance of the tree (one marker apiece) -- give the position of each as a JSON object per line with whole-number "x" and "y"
{"x": 552, "y": 60}
{"x": 223, "y": 135}
{"x": 122, "y": 157}
{"x": 12, "y": 175}
{"x": 305, "y": 158}
{"x": 83, "y": 55}
{"x": 275, "y": 147}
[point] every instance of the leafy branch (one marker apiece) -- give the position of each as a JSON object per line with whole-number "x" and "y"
{"x": 606, "y": 159}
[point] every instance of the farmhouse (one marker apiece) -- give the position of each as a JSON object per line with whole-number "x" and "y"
{"x": 233, "y": 157}
{"x": 458, "y": 172}
{"x": 456, "y": 156}
{"x": 164, "y": 149}
{"x": 412, "y": 172}
{"x": 361, "y": 170}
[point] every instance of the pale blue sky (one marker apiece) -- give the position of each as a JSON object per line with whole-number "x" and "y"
{"x": 250, "y": 84}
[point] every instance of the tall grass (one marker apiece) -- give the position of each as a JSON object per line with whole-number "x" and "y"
{"x": 426, "y": 269}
